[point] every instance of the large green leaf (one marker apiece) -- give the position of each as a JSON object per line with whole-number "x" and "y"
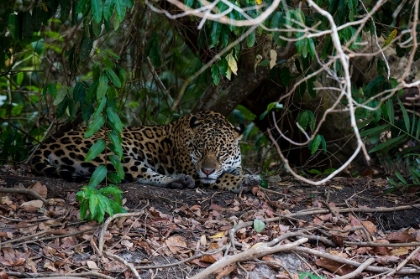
{"x": 102, "y": 87}
{"x": 117, "y": 165}
{"x": 85, "y": 48}
{"x": 250, "y": 40}
{"x": 116, "y": 143}
{"x": 113, "y": 77}
{"x": 215, "y": 74}
{"x": 97, "y": 148}
{"x": 405, "y": 115}
{"x": 96, "y": 124}
{"x": 81, "y": 6}
{"x": 389, "y": 143}
{"x": 100, "y": 108}
{"x": 374, "y": 131}
{"x": 120, "y": 9}
{"x": 98, "y": 176}
{"x": 108, "y": 9}
{"x": 97, "y": 10}
{"x": 114, "y": 119}
{"x": 390, "y": 111}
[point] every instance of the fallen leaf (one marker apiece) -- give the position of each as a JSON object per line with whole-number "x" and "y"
{"x": 400, "y": 251}
{"x": 49, "y": 265}
{"x": 39, "y": 189}
{"x": 400, "y": 237}
{"x": 333, "y": 266}
{"x": 176, "y": 244}
{"x": 127, "y": 243}
{"x": 226, "y": 271}
{"x": 200, "y": 263}
{"x": 218, "y": 235}
{"x": 371, "y": 228}
{"x": 92, "y": 265}
{"x": 203, "y": 240}
{"x": 6, "y": 200}
{"x": 338, "y": 240}
{"x": 32, "y": 206}
{"x": 208, "y": 259}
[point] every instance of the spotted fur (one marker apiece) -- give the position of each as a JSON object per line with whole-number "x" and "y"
{"x": 199, "y": 149}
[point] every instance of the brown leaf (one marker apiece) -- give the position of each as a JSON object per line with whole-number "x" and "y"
{"x": 92, "y": 265}
{"x": 371, "y": 228}
{"x": 68, "y": 242}
{"x": 338, "y": 240}
{"x": 217, "y": 207}
{"x": 381, "y": 250}
{"x": 32, "y": 206}
{"x": 6, "y": 200}
{"x": 199, "y": 263}
{"x": 400, "y": 237}
{"x": 176, "y": 244}
{"x": 39, "y": 189}
{"x": 333, "y": 266}
{"x": 400, "y": 251}
{"x": 226, "y": 271}
{"x": 208, "y": 259}
{"x": 127, "y": 243}
{"x": 49, "y": 265}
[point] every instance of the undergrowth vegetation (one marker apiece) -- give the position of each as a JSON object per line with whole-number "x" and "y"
{"x": 116, "y": 62}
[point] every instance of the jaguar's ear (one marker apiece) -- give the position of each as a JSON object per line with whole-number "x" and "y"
{"x": 194, "y": 122}
{"x": 239, "y": 131}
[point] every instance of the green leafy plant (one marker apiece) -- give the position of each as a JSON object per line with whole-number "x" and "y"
{"x": 95, "y": 203}
{"x": 393, "y": 137}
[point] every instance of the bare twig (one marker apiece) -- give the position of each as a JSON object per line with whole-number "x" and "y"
{"x": 359, "y": 270}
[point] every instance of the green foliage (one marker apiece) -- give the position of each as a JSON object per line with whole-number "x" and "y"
{"x": 95, "y": 203}
{"x": 271, "y": 106}
{"x": 377, "y": 124}
{"x": 306, "y": 119}
{"x": 392, "y": 137}
{"x": 316, "y": 143}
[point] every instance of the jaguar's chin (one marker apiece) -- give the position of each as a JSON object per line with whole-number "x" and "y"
{"x": 207, "y": 180}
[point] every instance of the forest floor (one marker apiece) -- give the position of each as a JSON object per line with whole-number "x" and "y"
{"x": 348, "y": 227}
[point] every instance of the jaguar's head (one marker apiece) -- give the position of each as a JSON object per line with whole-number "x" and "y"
{"x": 214, "y": 148}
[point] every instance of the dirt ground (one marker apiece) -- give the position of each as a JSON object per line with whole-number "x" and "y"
{"x": 185, "y": 233}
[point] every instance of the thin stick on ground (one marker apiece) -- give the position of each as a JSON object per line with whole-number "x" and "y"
{"x": 127, "y": 264}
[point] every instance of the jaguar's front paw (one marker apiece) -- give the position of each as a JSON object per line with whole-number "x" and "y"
{"x": 251, "y": 180}
{"x": 182, "y": 181}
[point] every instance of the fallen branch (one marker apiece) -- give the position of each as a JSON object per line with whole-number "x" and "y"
{"x": 24, "y": 191}
{"x": 338, "y": 259}
{"x": 257, "y": 251}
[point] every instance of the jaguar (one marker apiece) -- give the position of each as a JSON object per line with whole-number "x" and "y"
{"x": 199, "y": 149}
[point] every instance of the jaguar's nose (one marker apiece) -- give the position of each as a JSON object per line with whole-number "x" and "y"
{"x": 207, "y": 171}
